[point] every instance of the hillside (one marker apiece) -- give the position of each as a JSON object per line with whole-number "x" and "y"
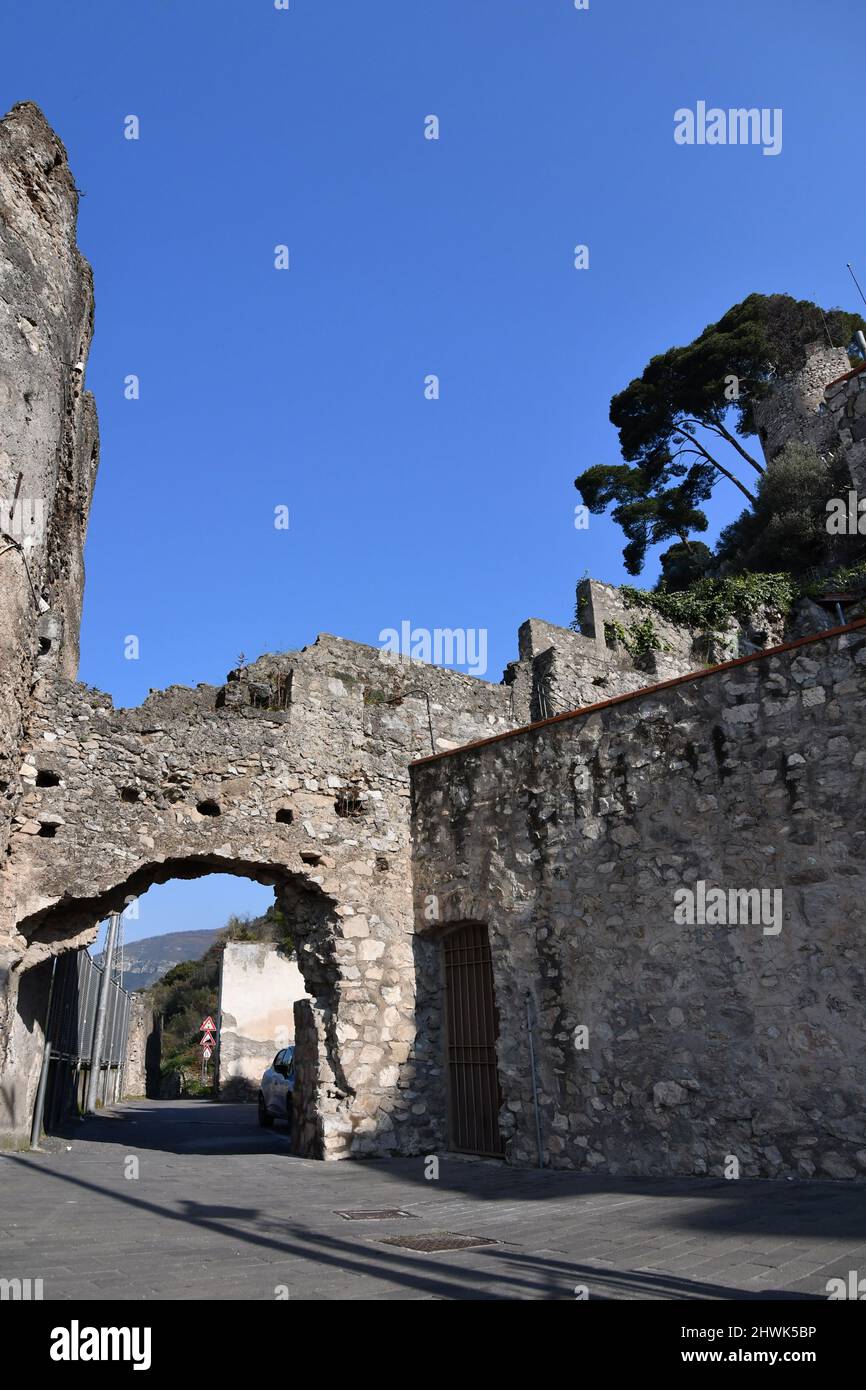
{"x": 190, "y": 991}
{"x": 146, "y": 961}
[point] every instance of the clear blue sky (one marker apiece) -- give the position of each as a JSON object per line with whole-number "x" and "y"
{"x": 408, "y": 257}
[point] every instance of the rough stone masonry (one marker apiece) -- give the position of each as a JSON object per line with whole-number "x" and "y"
{"x": 296, "y": 773}
{"x": 664, "y": 1046}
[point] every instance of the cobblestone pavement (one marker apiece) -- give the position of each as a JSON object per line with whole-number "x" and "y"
{"x": 222, "y": 1210}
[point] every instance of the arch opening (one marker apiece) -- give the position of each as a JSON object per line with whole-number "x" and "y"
{"x": 311, "y": 921}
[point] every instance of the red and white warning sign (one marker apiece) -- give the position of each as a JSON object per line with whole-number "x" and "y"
{"x": 208, "y": 1026}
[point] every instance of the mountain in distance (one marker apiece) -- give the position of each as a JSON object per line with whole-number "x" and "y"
{"x": 146, "y": 961}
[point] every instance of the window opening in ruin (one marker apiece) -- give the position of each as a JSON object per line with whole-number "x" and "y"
{"x": 272, "y": 694}
{"x": 48, "y": 829}
{"x": 208, "y": 808}
{"x": 349, "y": 803}
{"x": 48, "y": 779}
{"x": 285, "y": 815}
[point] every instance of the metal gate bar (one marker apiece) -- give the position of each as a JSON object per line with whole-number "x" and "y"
{"x": 472, "y": 1026}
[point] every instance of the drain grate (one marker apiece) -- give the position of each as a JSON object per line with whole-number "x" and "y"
{"x": 433, "y": 1241}
{"x": 375, "y": 1214}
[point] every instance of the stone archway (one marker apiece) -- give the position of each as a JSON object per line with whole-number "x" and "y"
{"x": 296, "y": 773}
{"x": 73, "y": 921}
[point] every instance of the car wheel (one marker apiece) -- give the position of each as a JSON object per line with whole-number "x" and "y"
{"x": 265, "y": 1120}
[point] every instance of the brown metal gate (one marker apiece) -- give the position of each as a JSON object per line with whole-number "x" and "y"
{"x": 472, "y": 1029}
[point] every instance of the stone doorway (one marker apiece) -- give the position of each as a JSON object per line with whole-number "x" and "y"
{"x": 471, "y": 1035}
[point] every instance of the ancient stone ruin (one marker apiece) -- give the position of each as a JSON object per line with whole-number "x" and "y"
{"x": 424, "y": 841}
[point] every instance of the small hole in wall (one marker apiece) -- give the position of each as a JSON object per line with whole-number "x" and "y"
{"x": 382, "y": 864}
{"x": 130, "y": 794}
{"x": 285, "y": 815}
{"x": 349, "y": 803}
{"x": 208, "y": 808}
{"x": 48, "y": 779}
{"x": 312, "y": 859}
{"x": 44, "y": 646}
{"x": 48, "y": 829}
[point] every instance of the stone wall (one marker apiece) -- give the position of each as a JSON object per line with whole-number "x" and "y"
{"x": 138, "y": 1062}
{"x": 259, "y": 985}
{"x": 48, "y": 457}
{"x": 705, "y": 1043}
{"x": 294, "y": 773}
{"x": 846, "y": 406}
{"x": 794, "y": 410}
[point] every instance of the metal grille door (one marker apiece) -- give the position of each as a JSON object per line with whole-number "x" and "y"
{"x": 472, "y": 1029}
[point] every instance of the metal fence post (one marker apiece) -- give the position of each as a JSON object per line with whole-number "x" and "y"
{"x": 99, "y": 1029}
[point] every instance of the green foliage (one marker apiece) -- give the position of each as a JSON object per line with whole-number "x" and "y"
{"x": 639, "y": 638}
{"x": 649, "y": 506}
{"x": 683, "y": 422}
{"x": 190, "y": 990}
{"x": 787, "y": 530}
{"x": 712, "y": 604}
{"x": 763, "y": 339}
{"x": 847, "y": 577}
{"x": 684, "y": 564}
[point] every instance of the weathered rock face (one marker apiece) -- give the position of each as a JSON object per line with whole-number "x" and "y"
{"x": 846, "y": 408}
{"x": 141, "y": 1068}
{"x": 48, "y": 445}
{"x": 793, "y": 409}
{"x": 704, "y": 1042}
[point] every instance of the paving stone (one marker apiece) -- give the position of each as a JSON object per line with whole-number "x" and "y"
{"x": 255, "y": 1221}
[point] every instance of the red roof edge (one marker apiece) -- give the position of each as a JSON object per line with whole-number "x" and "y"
{"x": 846, "y": 376}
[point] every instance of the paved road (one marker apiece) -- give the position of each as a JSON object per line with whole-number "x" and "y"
{"x": 220, "y": 1209}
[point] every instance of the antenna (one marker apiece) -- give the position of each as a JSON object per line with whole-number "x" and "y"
{"x": 856, "y": 281}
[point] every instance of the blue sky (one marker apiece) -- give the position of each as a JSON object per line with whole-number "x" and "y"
{"x": 305, "y": 388}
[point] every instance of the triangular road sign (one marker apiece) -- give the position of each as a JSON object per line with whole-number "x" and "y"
{"x": 208, "y": 1025}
